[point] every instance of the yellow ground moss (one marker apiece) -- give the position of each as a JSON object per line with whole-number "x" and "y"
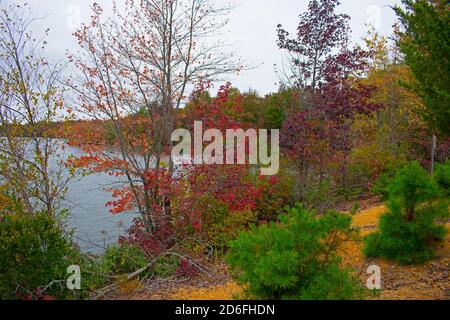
{"x": 368, "y": 219}
{"x": 223, "y": 292}
{"x": 427, "y": 281}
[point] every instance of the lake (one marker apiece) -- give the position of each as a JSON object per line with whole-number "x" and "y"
{"x": 94, "y": 226}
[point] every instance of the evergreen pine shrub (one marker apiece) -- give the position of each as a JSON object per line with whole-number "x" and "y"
{"x": 442, "y": 178}
{"x": 294, "y": 259}
{"x": 409, "y": 228}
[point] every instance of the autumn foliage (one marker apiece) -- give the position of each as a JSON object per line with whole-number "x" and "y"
{"x": 351, "y": 120}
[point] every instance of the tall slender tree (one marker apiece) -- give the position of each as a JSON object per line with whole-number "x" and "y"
{"x": 425, "y": 42}
{"x": 320, "y": 33}
{"x": 31, "y": 163}
{"x": 140, "y": 63}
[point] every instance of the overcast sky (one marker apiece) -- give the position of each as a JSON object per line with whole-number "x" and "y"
{"x": 252, "y": 29}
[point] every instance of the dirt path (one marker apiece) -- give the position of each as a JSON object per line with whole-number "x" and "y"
{"x": 427, "y": 281}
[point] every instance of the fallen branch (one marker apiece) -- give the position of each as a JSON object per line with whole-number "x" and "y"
{"x": 135, "y": 274}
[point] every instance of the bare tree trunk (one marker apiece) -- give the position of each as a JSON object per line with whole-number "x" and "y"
{"x": 410, "y": 214}
{"x": 433, "y": 153}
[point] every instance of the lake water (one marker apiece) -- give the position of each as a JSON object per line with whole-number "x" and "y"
{"x": 94, "y": 227}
